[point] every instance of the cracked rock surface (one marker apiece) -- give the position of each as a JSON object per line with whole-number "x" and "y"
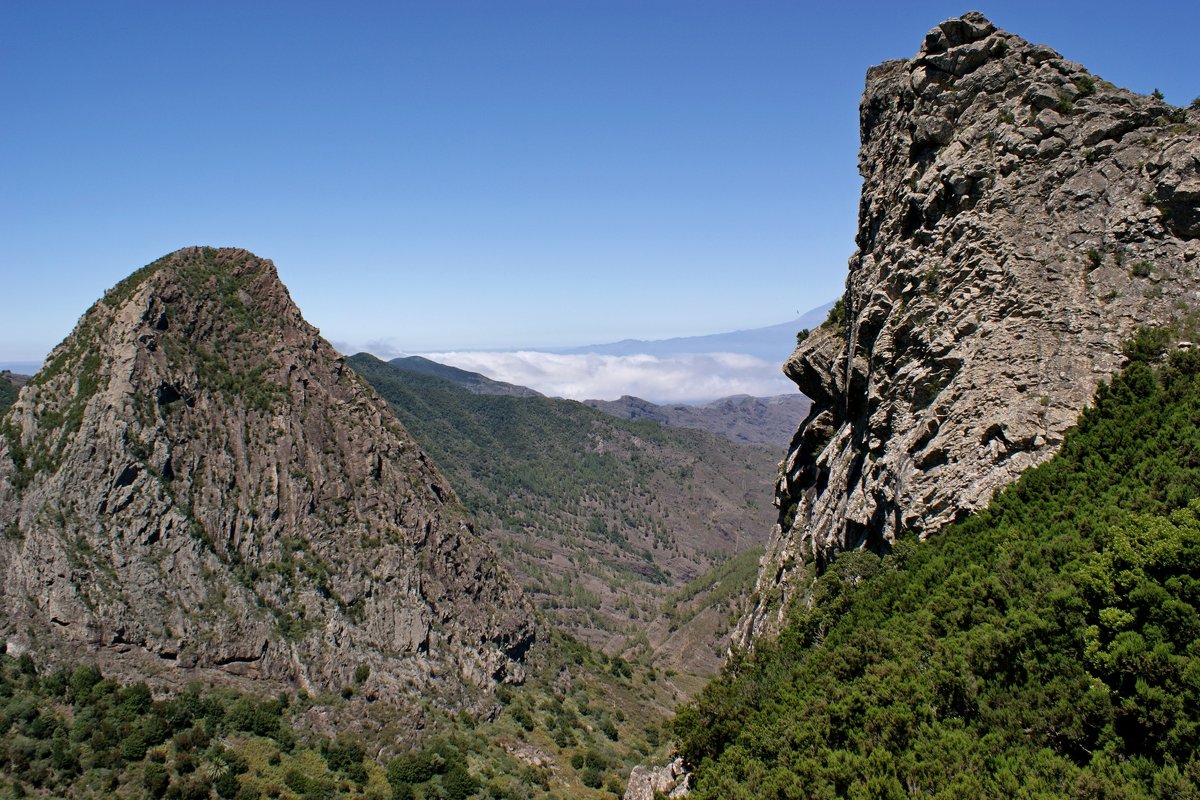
{"x": 197, "y": 486}
{"x": 1020, "y": 218}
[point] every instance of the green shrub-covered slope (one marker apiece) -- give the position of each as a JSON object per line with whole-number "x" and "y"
{"x": 1047, "y": 647}
{"x": 8, "y": 394}
{"x": 574, "y": 730}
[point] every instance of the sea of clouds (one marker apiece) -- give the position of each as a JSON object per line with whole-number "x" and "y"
{"x": 684, "y": 378}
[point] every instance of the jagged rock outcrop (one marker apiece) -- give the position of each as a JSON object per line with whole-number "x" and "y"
{"x": 1019, "y": 219}
{"x": 671, "y": 780}
{"x": 197, "y": 486}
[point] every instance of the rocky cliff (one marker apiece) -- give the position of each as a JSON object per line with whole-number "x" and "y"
{"x": 1020, "y": 218}
{"x": 197, "y": 486}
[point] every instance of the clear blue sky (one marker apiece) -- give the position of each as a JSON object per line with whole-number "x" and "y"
{"x": 475, "y": 174}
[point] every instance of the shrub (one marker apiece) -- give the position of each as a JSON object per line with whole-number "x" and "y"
{"x": 414, "y": 767}
{"x": 592, "y": 778}
{"x": 458, "y": 784}
{"x": 156, "y": 779}
{"x": 345, "y": 754}
{"x": 837, "y": 315}
{"x": 522, "y": 717}
{"x": 227, "y": 786}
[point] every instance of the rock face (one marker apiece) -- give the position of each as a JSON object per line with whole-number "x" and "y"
{"x": 197, "y": 486}
{"x": 1019, "y": 219}
{"x": 646, "y": 782}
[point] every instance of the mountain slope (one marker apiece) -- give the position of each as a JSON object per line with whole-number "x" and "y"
{"x": 195, "y": 485}
{"x": 600, "y": 518}
{"x": 473, "y": 382}
{"x": 741, "y": 418}
{"x": 1019, "y": 218}
{"x": 1046, "y": 647}
{"x": 8, "y": 390}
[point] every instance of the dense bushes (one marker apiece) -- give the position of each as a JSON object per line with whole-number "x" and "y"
{"x": 8, "y": 394}
{"x": 1047, "y": 647}
{"x": 73, "y": 731}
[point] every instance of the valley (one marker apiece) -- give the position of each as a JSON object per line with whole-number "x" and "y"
{"x": 602, "y": 520}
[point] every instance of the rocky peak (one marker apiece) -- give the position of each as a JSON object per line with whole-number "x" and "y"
{"x": 1020, "y": 218}
{"x": 197, "y": 486}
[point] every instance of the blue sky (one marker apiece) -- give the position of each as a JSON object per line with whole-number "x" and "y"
{"x": 470, "y": 175}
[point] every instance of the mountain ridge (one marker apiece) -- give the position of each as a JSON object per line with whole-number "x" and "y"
{"x": 771, "y": 343}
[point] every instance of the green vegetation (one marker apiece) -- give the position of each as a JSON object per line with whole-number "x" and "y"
{"x": 1141, "y": 269}
{"x": 1046, "y": 647}
{"x": 837, "y": 315}
{"x": 599, "y": 517}
{"x": 725, "y": 587}
{"x": 72, "y": 733}
{"x": 1086, "y": 85}
{"x": 8, "y": 394}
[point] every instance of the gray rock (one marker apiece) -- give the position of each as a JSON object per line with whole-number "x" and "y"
{"x": 671, "y": 780}
{"x": 196, "y": 486}
{"x": 990, "y": 294}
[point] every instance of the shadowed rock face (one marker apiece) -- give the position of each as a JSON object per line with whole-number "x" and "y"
{"x": 1019, "y": 219}
{"x": 196, "y": 486}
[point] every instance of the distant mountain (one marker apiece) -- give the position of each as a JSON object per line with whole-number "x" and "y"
{"x": 473, "y": 382}
{"x": 601, "y": 519}
{"x": 773, "y": 343}
{"x": 20, "y": 367}
{"x": 768, "y": 421}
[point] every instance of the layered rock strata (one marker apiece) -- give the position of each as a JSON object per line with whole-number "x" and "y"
{"x": 1020, "y": 218}
{"x": 197, "y": 486}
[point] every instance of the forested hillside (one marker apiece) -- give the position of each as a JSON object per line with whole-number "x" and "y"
{"x": 601, "y": 519}
{"x": 1046, "y": 647}
{"x": 8, "y": 393}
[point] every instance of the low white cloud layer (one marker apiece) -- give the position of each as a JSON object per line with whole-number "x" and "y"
{"x": 686, "y": 378}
